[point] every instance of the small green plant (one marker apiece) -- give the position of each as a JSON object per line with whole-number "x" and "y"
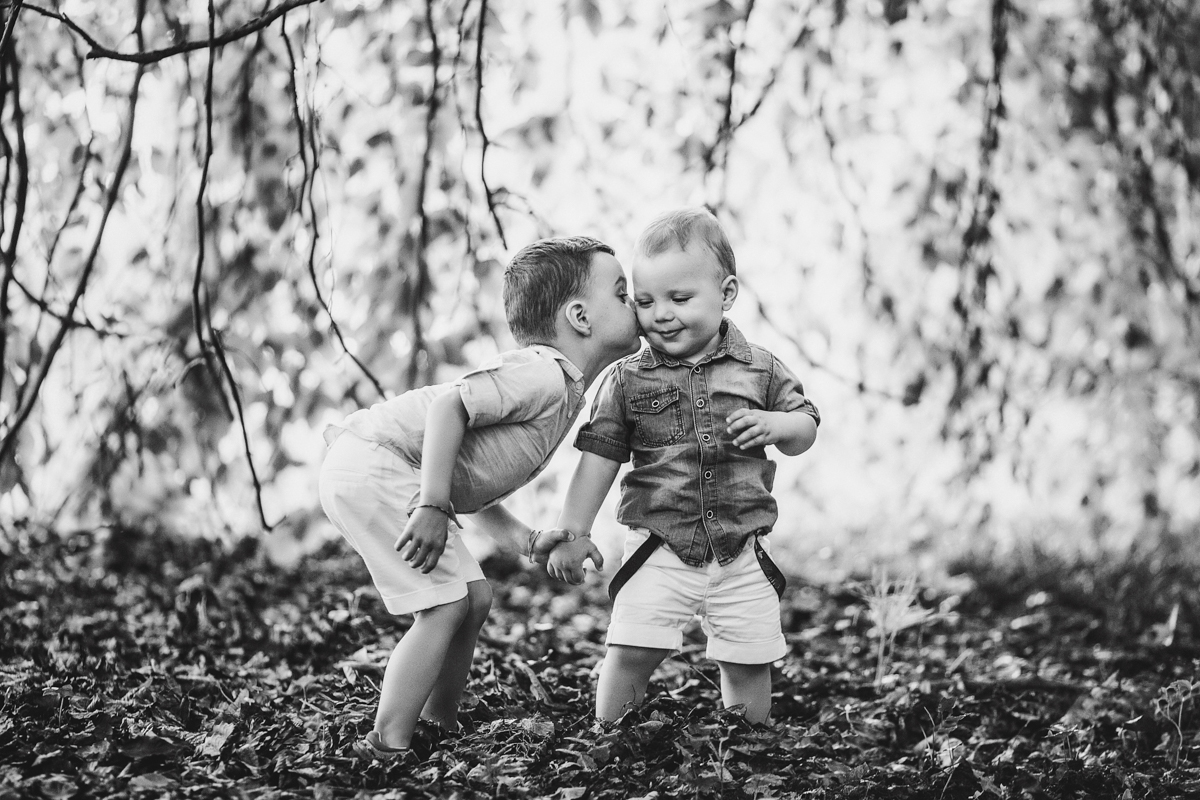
{"x": 892, "y": 606}
{"x": 1169, "y": 705}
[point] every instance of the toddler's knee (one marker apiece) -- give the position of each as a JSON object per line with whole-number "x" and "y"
{"x": 743, "y": 673}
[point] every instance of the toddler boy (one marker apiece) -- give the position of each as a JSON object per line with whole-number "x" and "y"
{"x": 694, "y": 411}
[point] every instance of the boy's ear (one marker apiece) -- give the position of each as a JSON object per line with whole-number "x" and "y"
{"x": 729, "y": 291}
{"x": 577, "y": 317}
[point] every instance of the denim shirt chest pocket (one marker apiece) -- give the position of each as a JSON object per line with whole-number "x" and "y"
{"x": 657, "y": 417}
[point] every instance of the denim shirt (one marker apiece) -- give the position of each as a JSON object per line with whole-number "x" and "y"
{"x": 689, "y": 483}
{"x": 520, "y": 406}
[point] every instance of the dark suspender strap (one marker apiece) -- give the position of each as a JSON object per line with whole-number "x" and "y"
{"x": 633, "y": 564}
{"x": 774, "y": 575}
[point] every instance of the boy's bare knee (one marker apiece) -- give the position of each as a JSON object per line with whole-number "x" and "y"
{"x": 479, "y": 600}
{"x": 449, "y": 614}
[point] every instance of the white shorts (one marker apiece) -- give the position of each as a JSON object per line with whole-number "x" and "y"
{"x": 739, "y": 608}
{"x": 365, "y": 489}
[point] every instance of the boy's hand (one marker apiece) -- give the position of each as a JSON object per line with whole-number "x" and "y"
{"x": 541, "y": 542}
{"x": 566, "y": 560}
{"x": 424, "y": 538}
{"x": 753, "y": 428}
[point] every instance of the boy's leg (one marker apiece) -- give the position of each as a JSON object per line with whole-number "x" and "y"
{"x": 413, "y": 670}
{"x": 442, "y": 706}
{"x": 748, "y": 685}
{"x": 624, "y": 676}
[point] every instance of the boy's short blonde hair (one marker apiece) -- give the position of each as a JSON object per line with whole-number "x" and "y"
{"x": 541, "y": 279}
{"x": 677, "y": 229}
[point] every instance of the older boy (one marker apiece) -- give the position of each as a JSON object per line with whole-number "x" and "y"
{"x": 397, "y": 474}
{"x": 695, "y": 411}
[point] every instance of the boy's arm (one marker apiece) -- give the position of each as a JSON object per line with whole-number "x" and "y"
{"x": 792, "y": 432}
{"x": 424, "y": 536}
{"x": 500, "y": 524}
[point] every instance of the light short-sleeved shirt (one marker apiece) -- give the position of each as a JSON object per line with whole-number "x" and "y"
{"x": 520, "y": 406}
{"x": 689, "y": 483}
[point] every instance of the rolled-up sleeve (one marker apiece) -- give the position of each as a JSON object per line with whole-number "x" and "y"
{"x": 606, "y": 433}
{"x": 786, "y": 393}
{"x": 501, "y": 393}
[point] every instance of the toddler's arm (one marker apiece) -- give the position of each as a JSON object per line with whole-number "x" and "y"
{"x": 792, "y": 432}
{"x": 424, "y": 536}
{"x": 566, "y": 560}
{"x": 593, "y": 478}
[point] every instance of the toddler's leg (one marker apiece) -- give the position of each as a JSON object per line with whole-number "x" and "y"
{"x": 748, "y": 685}
{"x": 624, "y": 676}
{"x": 442, "y": 705}
{"x": 413, "y": 670}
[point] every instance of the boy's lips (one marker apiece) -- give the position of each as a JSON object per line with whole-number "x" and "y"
{"x": 668, "y": 334}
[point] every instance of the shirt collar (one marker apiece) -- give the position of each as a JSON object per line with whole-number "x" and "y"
{"x": 568, "y": 366}
{"x": 733, "y": 344}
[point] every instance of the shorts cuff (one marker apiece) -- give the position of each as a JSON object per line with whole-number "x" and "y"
{"x": 429, "y": 597}
{"x": 632, "y": 634}
{"x": 747, "y": 652}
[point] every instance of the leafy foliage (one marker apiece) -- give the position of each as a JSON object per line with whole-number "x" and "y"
{"x": 140, "y": 665}
{"x": 968, "y": 224}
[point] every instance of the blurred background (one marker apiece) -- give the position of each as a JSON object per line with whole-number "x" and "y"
{"x": 970, "y": 226}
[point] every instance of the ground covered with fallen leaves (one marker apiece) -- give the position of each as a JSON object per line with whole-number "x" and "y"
{"x": 141, "y": 666}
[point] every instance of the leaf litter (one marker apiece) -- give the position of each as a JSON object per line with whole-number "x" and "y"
{"x": 137, "y": 665}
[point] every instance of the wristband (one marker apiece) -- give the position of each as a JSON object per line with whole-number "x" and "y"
{"x": 447, "y": 509}
{"x": 533, "y": 535}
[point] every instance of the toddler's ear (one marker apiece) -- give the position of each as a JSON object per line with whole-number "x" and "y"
{"x": 729, "y": 291}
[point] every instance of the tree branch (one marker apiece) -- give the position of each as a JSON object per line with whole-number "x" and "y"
{"x": 484, "y": 141}
{"x": 201, "y": 229}
{"x": 148, "y": 57}
{"x": 219, "y": 352}
{"x": 14, "y": 10}
{"x": 421, "y": 287}
{"x": 306, "y": 197}
{"x": 44, "y": 306}
{"x": 8, "y": 445}
{"x": 22, "y": 166}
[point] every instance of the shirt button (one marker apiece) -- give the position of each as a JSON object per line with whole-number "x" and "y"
{"x": 654, "y": 404}
{"x": 708, "y": 474}
{"x": 700, "y": 403}
{"x": 710, "y": 515}
{"x": 696, "y": 370}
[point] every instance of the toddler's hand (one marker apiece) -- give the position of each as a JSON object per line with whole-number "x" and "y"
{"x": 752, "y": 428}
{"x": 424, "y": 538}
{"x": 542, "y": 542}
{"x": 566, "y": 560}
